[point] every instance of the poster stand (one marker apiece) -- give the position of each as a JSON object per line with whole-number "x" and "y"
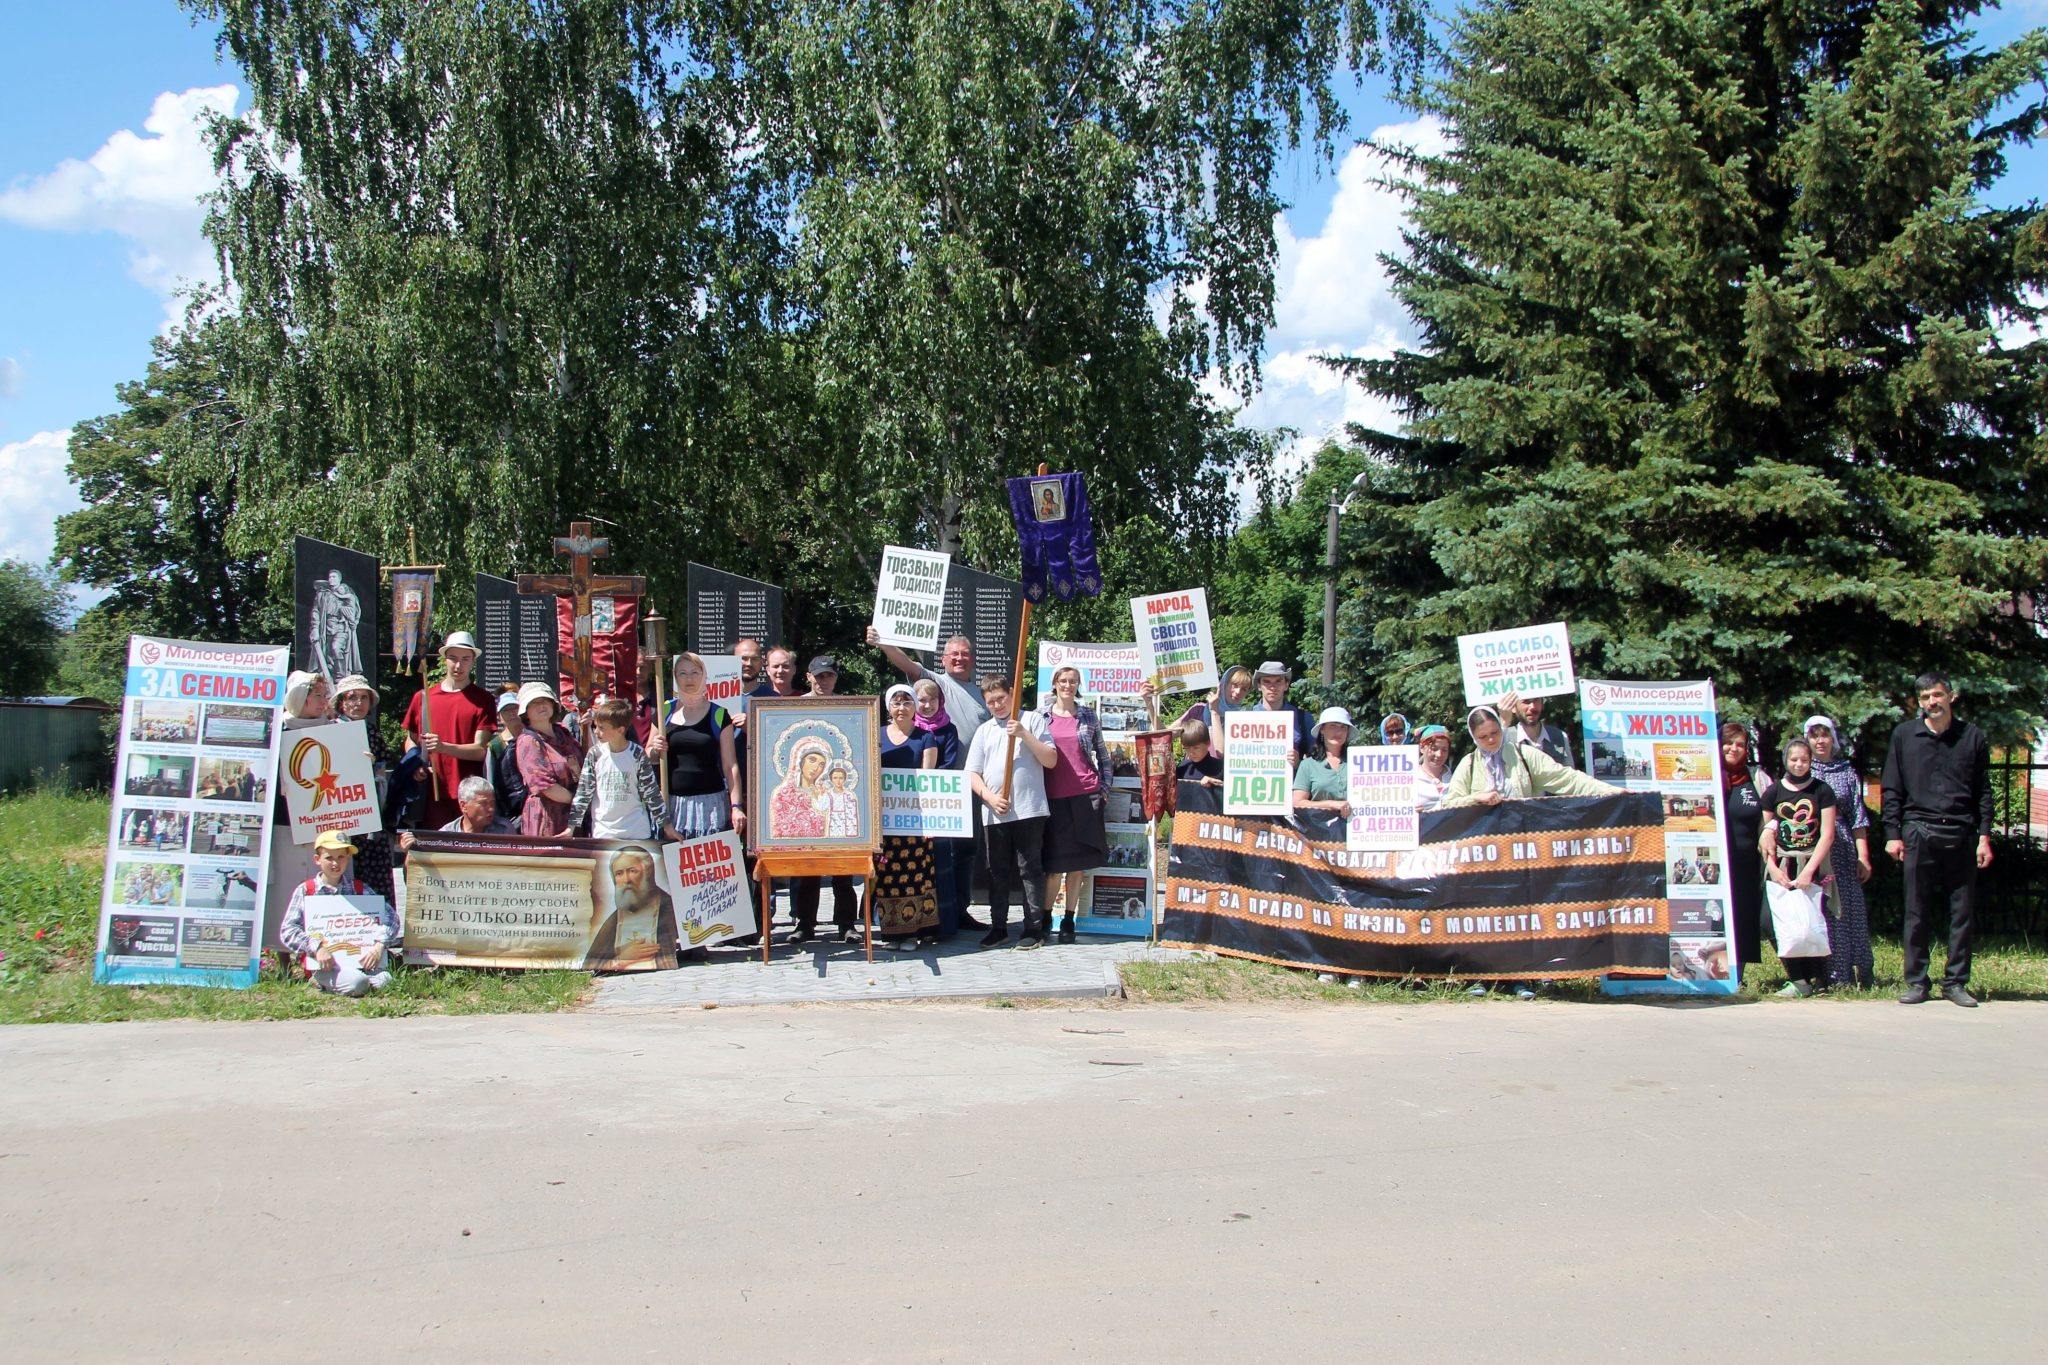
{"x": 768, "y": 866}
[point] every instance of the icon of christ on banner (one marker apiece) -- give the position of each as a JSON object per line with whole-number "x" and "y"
{"x": 1055, "y": 536}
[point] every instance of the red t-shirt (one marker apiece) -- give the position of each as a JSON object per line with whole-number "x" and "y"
{"x": 458, "y": 718}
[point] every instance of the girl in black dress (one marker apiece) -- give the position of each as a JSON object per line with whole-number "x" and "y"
{"x": 1743, "y": 799}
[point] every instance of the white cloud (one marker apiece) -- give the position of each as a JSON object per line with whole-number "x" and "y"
{"x": 1333, "y": 298}
{"x": 11, "y": 375}
{"x": 35, "y": 490}
{"x": 144, "y": 187}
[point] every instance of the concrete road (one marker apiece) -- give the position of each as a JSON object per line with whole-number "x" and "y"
{"x": 958, "y": 1183}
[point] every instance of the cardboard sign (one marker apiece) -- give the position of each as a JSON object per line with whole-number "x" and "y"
{"x": 329, "y": 782}
{"x": 909, "y": 597}
{"x": 1257, "y": 779}
{"x": 1380, "y": 789}
{"x": 722, "y": 682}
{"x": 708, "y": 881}
{"x": 346, "y": 926}
{"x": 936, "y": 803}
{"x": 1535, "y": 661}
{"x": 1174, "y": 640}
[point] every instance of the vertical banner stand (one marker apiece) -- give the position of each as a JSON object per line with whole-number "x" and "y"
{"x": 1017, "y": 681}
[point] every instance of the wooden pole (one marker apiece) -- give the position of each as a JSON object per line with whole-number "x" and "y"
{"x": 1017, "y": 677}
{"x": 657, "y": 640}
{"x": 427, "y": 728}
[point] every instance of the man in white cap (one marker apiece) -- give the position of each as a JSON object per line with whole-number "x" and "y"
{"x": 344, "y": 943}
{"x": 1272, "y": 679}
{"x": 451, "y": 722}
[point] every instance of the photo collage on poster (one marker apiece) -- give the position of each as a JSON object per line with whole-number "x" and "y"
{"x": 1120, "y": 893}
{"x": 1664, "y": 737}
{"x": 182, "y": 897}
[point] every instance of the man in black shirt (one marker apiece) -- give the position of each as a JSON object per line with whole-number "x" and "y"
{"x": 1937, "y": 816}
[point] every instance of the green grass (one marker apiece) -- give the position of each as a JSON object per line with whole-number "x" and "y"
{"x": 2002, "y": 971}
{"x": 52, "y": 855}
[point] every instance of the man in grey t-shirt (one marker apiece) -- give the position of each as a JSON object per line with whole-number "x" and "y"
{"x": 968, "y": 711}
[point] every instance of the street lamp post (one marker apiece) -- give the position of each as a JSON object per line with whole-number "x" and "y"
{"x": 1337, "y": 509}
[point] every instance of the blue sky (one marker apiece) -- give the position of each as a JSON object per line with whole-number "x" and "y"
{"x": 101, "y": 165}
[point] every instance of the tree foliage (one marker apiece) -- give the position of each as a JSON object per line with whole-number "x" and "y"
{"x": 765, "y": 286}
{"x": 1709, "y": 296}
{"x": 32, "y": 610}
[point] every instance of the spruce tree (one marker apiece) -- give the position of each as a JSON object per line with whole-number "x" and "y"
{"x": 1709, "y": 297}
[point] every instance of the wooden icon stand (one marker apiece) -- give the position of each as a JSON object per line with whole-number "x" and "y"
{"x": 770, "y": 865}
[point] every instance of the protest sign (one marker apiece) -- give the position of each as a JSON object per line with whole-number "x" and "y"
{"x": 1665, "y": 738}
{"x": 347, "y": 926}
{"x": 1257, "y": 779}
{"x": 1174, "y": 641}
{"x": 1106, "y": 670}
{"x": 1380, "y": 790}
{"x": 909, "y": 596}
{"x": 935, "y": 803}
{"x": 1535, "y": 661}
{"x": 188, "y": 841}
{"x": 722, "y": 682}
{"x": 708, "y": 877}
{"x": 1118, "y": 903}
{"x": 1565, "y": 887}
{"x": 329, "y": 782}
{"x": 516, "y": 901}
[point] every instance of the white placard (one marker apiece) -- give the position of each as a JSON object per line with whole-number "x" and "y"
{"x": 1174, "y": 641}
{"x": 1257, "y": 779}
{"x": 707, "y": 883}
{"x": 936, "y": 803}
{"x": 1535, "y": 661}
{"x": 1380, "y": 789}
{"x": 347, "y": 926}
{"x": 909, "y": 595}
{"x": 722, "y": 681}
{"x": 329, "y": 782}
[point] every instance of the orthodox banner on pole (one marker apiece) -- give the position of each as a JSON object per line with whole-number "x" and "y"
{"x": 1055, "y": 537}
{"x": 1559, "y": 887}
{"x": 412, "y": 615}
{"x": 188, "y": 842}
{"x": 1664, "y": 738}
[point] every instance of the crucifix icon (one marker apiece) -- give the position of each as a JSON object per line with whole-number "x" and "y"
{"x": 580, "y": 585}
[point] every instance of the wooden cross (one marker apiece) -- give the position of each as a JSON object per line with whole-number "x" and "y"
{"x": 579, "y": 585}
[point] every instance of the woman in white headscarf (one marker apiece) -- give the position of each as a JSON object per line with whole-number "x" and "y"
{"x": 1496, "y": 771}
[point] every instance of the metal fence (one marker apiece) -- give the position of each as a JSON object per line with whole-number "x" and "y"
{"x": 2013, "y": 896}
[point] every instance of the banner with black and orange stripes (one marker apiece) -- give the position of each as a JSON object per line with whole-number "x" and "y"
{"x": 1557, "y": 887}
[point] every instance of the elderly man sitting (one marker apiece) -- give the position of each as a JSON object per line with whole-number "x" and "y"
{"x": 477, "y": 801}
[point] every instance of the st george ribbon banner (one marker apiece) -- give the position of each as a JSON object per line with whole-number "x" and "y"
{"x": 1562, "y": 887}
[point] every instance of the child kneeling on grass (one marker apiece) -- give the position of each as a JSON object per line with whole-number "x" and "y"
{"x": 343, "y": 944}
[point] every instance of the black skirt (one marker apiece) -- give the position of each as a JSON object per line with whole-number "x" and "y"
{"x": 1074, "y": 837}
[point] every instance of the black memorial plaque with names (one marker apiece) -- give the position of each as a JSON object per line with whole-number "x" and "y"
{"x": 987, "y": 608}
{"x": 517, "y": 632}
{"x": 725, "y": 608}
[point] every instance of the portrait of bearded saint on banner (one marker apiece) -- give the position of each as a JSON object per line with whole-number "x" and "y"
{"x": 641, "y": 928}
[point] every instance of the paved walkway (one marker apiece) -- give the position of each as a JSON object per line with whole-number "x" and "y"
{"x": 1824, "y": 1181}
{"x": 820, "y": 972}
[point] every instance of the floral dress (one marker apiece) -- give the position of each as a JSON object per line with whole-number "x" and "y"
{"x": 1850, "y": 961}
{"x": 545, "y": 761}
{"x": 904, "y": 892}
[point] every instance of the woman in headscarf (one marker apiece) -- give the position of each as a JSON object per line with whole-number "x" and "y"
{"x": 1432, "y": 771}
{"x": 1496, "y": 771}
{"x": 1394, "y": 728}
{"x": 1850, "y": 962}
{"x": 902, "y": 895}
{"x": 1742, "y": 796}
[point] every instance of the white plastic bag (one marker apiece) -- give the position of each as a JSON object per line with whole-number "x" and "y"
{"x": 1801, "y": 926}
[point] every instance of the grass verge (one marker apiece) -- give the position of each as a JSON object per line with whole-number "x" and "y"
{"x": 52, "y": 854}
{"x": 2001, "y": 971}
